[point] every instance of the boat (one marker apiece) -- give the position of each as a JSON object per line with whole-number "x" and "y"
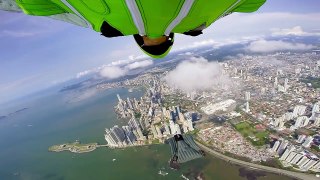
{"x": 184, "y": 177}
{"x": 162, "y": 173}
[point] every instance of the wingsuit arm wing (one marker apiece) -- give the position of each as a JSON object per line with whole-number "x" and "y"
{"x": 12, "y": 6}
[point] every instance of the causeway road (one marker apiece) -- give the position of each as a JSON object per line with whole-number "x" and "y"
{"x": 296, "y": 175}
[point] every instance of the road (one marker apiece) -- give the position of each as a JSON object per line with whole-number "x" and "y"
{"x": 257, "y": 166}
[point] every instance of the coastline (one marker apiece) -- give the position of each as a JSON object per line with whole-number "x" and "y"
{"x": 295, "y": 175}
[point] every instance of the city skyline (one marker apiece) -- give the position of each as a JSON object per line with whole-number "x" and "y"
{"x": 35, "y": 39}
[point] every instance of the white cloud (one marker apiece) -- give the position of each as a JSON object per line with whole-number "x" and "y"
{"x": 112, "y": 72}
{"x": 265, "y": 46}
{"x": 239, "y": 25}
{"x": 197, "y": 74}
{"x": 139, "y": 64}
{"x": 83, "y": 73}
{"x": 296, "y": 31}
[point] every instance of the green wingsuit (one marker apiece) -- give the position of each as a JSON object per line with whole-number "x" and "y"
{"x": 152, "y": 18}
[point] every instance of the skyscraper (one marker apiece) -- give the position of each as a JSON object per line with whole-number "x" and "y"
{"x": 119, "y": 98}
{"x": 296, "y": 159}
{"x": 308, "y": 141}
{"x": 190, "y": 125}
{"x": 247, "y": 107}
{"x": 291, "y": 156}
{"x": 247, "y": 96}
{"x": 275, "y": 81}
{"x": 287, "y": 152}
{"x": 301, "y": 138}
{"x": 282, "y": 147}
{"x": 172, "y": 127}
{"x": 275, "y": 146}
{"x": 309, "y": 164}
{"x": 304, "y": 160}
{"x": 286, "y": 84}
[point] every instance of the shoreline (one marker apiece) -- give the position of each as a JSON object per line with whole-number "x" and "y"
{"x": 295, "y": 175}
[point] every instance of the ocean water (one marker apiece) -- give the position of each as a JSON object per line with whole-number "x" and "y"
{"x": 26, "y": 136}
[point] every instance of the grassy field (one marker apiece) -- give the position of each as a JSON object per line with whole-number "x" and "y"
{"x": 314, "y": 81}
{"x": 257, "y": 138}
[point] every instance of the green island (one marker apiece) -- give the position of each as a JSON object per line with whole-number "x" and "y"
{"x": 75, "y": 147}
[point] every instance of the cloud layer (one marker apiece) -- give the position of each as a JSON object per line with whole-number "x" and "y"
{"x": 139, "y": 64}
{"x": 121, "y": 68}
{"x": 197, "y": 74}
{"x": 264, "y": 46}
{"x": 295, "y": 31}
{"x": 112, "y": 72}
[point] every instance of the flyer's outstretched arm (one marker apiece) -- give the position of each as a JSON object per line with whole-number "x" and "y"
{"x": 11, "y": 5}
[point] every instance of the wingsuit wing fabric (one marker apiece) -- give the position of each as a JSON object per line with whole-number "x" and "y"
{"x": 151, "y": 18}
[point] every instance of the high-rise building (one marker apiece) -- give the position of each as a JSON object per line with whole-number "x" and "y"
{"x": 275, "y": 146}
{"x": 119, "y": 98}
{"x": 286, "y": 84}
{"x": 291, "y": 156}
{"x": 141, "y": 136}
{"x": 184, "y": 128}
{"x": 119, "y": 134}
{"x": 178, "y": 130}
{"x": 305, "y": 120}
{"x": 282, "y": 147}
{"x": 158, "y": 131}
{"x": 181, "y": 117}
{"x": 299, "y": 122}
{"x": 247, "y": 96}
{"x": 304, "y": 160}
{"x": 112, "y": 142}
{"x": 194, "y": 117}
{"x": 301, "y": 138}
{"x": 276, "y": 81}
{"x": 296, "y": 159}
{"x": 172, "y": 127}
{"x": 299, "y": 110}
{"x": 287, "y": 152}
{"x": 307, "y": 142}
{"x": 247, "y": 107}
{"x": 166, "y": 127}
{"x": 317, "y": 120}
{"x": 316, "y": 167}
{"x": 315, "y": 107}
{"x": 133, "y": 124}
{"x": 173, "y": 116}
{"x": 309, "y": 164}
{"x": 190, "y": 125}
{"x": 129, "y": 103}
{"x": 154, "y": 132}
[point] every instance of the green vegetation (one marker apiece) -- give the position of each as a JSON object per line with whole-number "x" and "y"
{"x": 272, "y": 163}
{"x": 315, "y": 82}
{"x": 316, "y": 148}
{"x": 194, "y": 132}
{"x": 74, "y": 147}
{"x": 137, "y": 115}
{"x": 257, "y": 138}
{"x": 156, "y": 141}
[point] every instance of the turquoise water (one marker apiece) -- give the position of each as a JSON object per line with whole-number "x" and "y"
{"x": 26, "y": 136}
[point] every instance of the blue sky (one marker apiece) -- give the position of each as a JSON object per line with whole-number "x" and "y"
{"x": 37, "y": 52}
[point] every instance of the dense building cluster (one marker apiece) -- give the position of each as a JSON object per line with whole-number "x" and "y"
{"x": 276, "y": 95}
{"x": 149, "y": 119}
